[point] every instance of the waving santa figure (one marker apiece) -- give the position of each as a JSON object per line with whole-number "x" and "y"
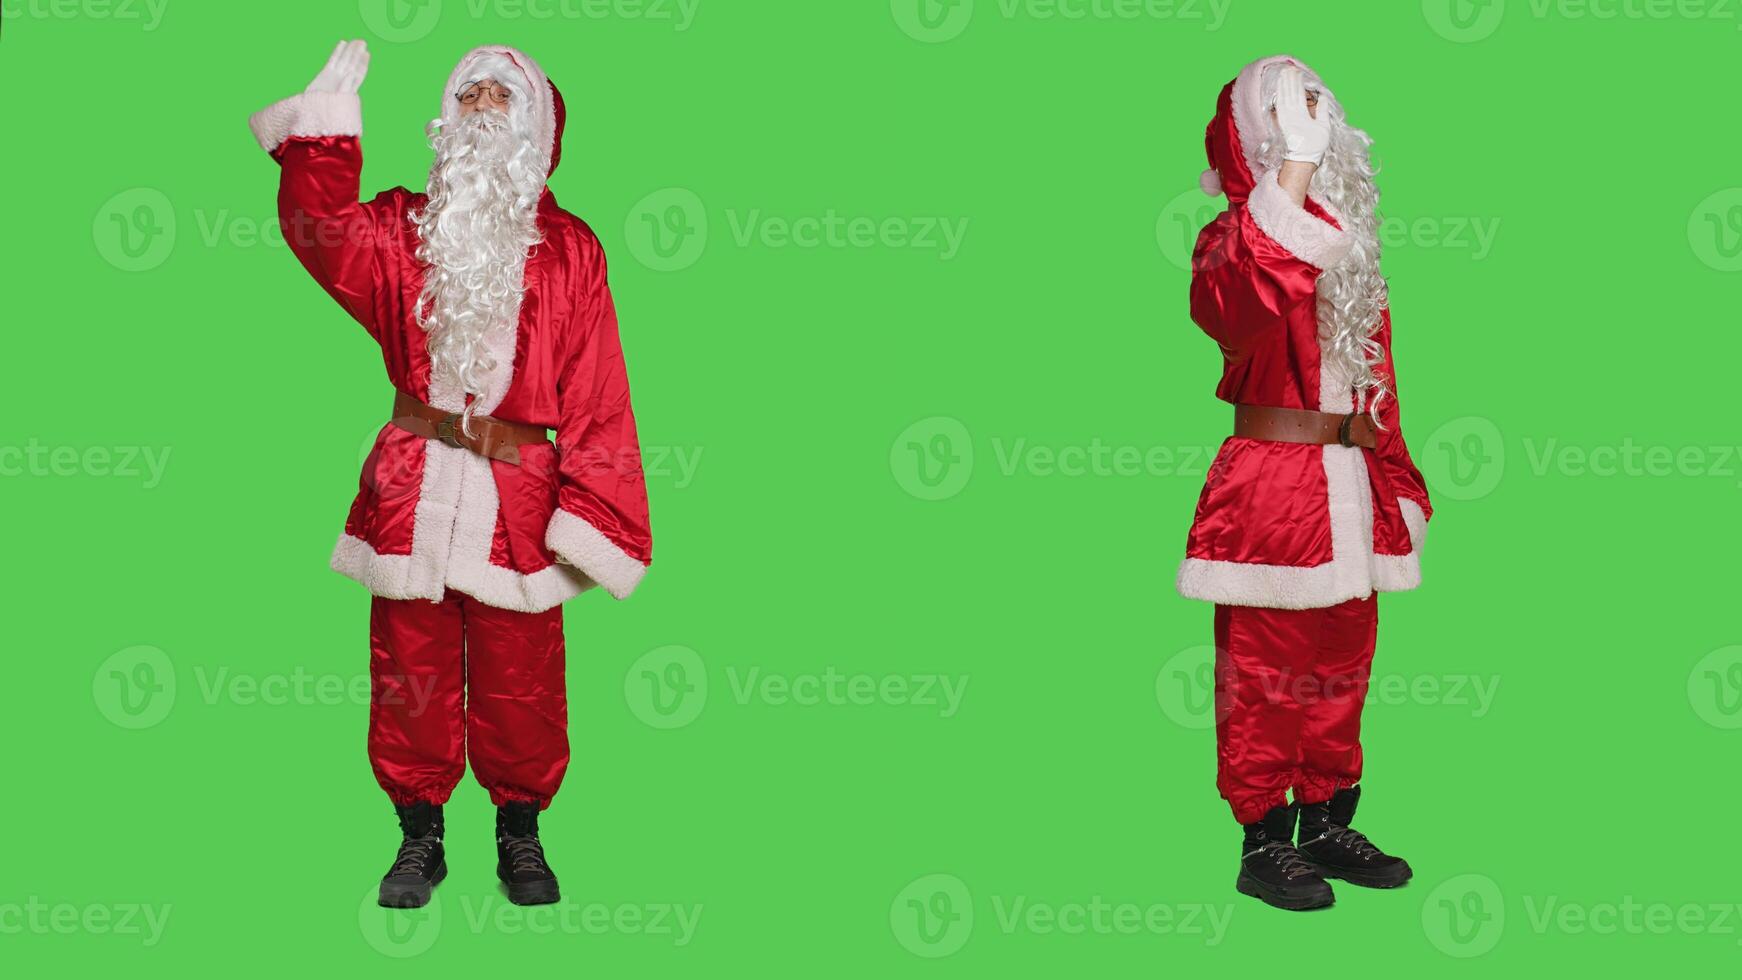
{"x": 1314, "y": 504}
{"x": 470, "y": 526}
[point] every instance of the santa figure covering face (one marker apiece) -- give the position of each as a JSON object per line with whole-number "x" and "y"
{"x": 1314, "y": 504}
{"x": 470, "y": 527}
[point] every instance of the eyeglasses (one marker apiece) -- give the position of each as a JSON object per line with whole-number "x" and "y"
{"x": 473, "y": 92}
{"x": 1312, "y": 99}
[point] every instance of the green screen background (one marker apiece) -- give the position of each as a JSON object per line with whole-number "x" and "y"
{"x": 879, "y": 457}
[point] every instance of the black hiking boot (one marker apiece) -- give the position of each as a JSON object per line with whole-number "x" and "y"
{"x": 520, "y": 857}
{"x": 1272, "y": 871}
{"x": 1340, "y": 852}
{"x": 420, "y": 864}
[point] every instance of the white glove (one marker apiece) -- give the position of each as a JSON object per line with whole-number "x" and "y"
{"x": 345, "y": 69}
{"x": 1304, "y": 138}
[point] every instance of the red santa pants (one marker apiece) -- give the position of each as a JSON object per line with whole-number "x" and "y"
{"x": 459, "y": 679}
{"x": 1290, "y": 684}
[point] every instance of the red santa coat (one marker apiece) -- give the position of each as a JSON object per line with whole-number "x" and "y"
{"x": 429, "y": 516}
{"x": 1280, "y": 524}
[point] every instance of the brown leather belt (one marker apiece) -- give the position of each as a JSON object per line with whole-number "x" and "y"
{"x": 490, "y": 437}
{"x": 1300, "y": 425}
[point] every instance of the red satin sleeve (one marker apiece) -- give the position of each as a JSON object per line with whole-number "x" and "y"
{"x": 341, "y": 242}
{"x": 1244, "y": 283}
{"x": 1392, "y": 450}
{"x": 599, "y": 455}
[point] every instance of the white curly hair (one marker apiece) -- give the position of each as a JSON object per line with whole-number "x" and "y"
{"x": 1352, "y": 296}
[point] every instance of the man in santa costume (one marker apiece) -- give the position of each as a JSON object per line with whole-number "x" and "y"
{"x": 470, "y": 527}
{"x": 1314, "y": 504}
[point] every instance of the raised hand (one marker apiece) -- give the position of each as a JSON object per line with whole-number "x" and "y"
{"x": 345, "y": 69}
{"x": 1305, "y": 137}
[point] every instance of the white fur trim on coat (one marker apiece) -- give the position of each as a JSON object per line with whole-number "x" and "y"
{"x": 1308, "y": 238}
{"x": 1348, "y": 575}
{"x": 1354, "y": 571}
{"x": 1400, "y": 573}
{"x": 582, "y": 545}
{"x": 455, "y": 523}
{"x": 308, "y": 114}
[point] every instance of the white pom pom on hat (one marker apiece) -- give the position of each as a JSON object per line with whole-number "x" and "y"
{"x": 1210, "y": 182}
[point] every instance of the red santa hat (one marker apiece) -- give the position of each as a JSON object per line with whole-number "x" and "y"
{"x": 1233, "y": 137}
{"x": 1233, "y": 142}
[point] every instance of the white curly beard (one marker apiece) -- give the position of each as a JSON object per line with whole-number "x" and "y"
{"x": 1352, "y": 296}
{"x": 476, "y": 230}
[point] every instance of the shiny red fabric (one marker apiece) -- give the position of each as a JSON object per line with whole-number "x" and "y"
{"x": 460, "y": 679}
{"x": 1266, "y": 502}
{"x": 1290, "y": 685}
{"x": 568, "y": 368}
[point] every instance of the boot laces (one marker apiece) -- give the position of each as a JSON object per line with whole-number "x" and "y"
{"x": 415, "y": 854}
{"x": 1284, "y": 855}
{"x": 525, "y": 854}
{"x": 1355, "y": 841}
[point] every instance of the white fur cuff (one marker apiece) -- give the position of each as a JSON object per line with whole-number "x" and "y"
{"x": 582, "y": 545}
{"x": 1310, "y": 239}
{"x": 308, "y": 114}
